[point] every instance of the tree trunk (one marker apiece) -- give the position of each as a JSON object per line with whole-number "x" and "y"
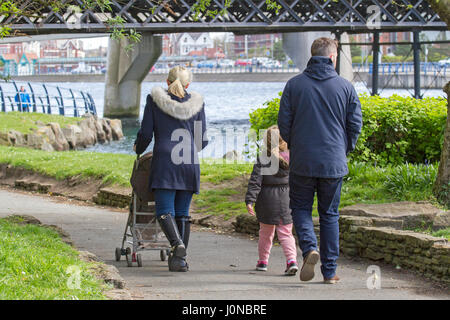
{"x": 441, "y": 186}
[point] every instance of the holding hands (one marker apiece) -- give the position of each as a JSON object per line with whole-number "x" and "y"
{"x": 250, "y": 209}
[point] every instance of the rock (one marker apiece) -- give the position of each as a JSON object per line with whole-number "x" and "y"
{"x": 116, "y": 129}
{"x": 43, "y": 138}
{"x": 88, "y": 256}
{"x": 24, "y": 219}
{"x": 101, "y": 136}
{"x": 412, "y": 214}
{"x": 232, "y": 156}
{"x": 391, "y": 223}
{"x": 72, "y": 133}
{"x": 111, "y": 275}
{"x": 88, "y": 136}
{"x": 4, "y": 139}
{"x": 60, "y": 143}
{"x": 441, "y": 221}
{"x": 16, "y": 138}
{"x": 39, "y": 141}
{"x": 119, "y": 294}
{"x": 107, "y": 129}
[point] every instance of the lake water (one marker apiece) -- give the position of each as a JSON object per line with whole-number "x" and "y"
{"x": 227, "y": 108}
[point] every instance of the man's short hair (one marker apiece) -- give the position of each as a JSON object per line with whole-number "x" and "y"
{"x": 324, "y": 47}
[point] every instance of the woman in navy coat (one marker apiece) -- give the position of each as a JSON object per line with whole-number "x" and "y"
{"x": 177, "y": 120}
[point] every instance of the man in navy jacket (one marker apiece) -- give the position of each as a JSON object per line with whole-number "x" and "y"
{"x": 320, "y": 119}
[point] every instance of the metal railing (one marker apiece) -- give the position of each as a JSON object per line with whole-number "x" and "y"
{"x": 44, "y": 98}
{"x": 431, "y": 68}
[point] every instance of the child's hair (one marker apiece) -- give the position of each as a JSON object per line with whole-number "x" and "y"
{"x": 273, "y": 132}
{"x": 179, "y": 77}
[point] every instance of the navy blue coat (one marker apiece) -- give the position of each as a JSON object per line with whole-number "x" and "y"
{"x": 320, "y": 118}
{"x": 175, "y": 164}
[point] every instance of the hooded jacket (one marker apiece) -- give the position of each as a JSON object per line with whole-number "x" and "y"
{"x": 270, "y": 193}
{"x": 178, "y": 126}
{"x": 320, "y": 118}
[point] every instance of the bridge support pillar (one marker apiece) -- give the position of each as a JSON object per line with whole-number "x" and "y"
{"x": 125, "y": 73}
{"x": 297, "y": 46}
{"x": 345, "y": 68}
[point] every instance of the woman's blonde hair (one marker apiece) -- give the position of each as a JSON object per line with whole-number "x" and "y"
{"x": 179, "y": 77}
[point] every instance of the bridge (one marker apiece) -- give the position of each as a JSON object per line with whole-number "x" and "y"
{"x": 242, "y": 16}
{"x": 300, "y": 21}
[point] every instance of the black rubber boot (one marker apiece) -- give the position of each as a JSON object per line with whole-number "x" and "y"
{"x": 177, "y": 259}
{"x": 184, "y": 228}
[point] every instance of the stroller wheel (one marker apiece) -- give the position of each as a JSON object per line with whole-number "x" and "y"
{"x": 139, "y": 260}
{"x": 163, "y": 255}
{"x": 118, "y": 254}
{"x": 129, "y": 260}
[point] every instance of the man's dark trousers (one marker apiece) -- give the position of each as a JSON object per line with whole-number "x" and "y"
{"x": 302, "y": 191}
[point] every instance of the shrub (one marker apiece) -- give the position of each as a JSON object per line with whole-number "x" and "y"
{"x": 401, "y": 129}
{"x": 395, "y": 129}
{"x": 408, "y": 180}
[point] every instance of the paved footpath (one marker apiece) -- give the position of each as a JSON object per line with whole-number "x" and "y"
{"x": 222, "y": 266}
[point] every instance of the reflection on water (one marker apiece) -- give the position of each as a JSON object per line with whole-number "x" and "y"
{"x": 227, "y": 108}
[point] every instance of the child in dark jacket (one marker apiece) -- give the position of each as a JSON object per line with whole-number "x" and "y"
{"x": 270, "y": 194}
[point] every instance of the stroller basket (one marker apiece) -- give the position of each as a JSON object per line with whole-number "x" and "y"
{"x": 142, "y": 231}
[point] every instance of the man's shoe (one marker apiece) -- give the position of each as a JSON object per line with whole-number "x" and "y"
{"x": 261, "y": 266}
{"x": 333, "y": 280}
{"x": 307, "y": 272}
{"x": 291, "y": 269}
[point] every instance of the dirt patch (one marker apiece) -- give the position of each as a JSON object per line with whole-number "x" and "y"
{"x": 109, "y": 274}
{"x": 238, "y": 183}
{"x": 216, "y": 222}
{"x": 79, "y": 188}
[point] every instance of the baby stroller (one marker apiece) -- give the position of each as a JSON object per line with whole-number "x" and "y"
{"x": 142, "y": 230}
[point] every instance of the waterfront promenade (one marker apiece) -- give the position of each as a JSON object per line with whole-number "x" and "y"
{"x": 397, "y": 81}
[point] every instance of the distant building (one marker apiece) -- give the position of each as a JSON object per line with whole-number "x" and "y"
{"x": 19, "y": 64}
{"x": 97, "y": 52}
{"x": 169, "y": 45}
{"x": 253, "y": 43}
{"x": 10, "y": 62}
{"x": 62, "y": 49}
{"x": 208, "y": 53}
{"x": 384, "y": 37}
{"x": 188, "y": 42}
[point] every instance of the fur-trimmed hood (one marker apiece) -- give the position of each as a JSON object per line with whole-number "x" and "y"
{"x": 179, "y": 110}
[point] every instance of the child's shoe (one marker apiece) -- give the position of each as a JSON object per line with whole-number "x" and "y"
{"x": 261, "y": 266}
{"x": 291, "y": 269}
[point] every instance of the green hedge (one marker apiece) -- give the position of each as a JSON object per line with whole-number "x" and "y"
{"x": 395, "y": 129}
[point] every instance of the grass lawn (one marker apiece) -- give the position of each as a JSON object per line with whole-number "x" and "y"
{"x": 34, "y": 262}
{"x": 111, "y": 168}
{"x": 444, "y": 233}
{"x": 24, "y": 122}
{"x": 365, "y": 183}
{"x": 224, "y": 184}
